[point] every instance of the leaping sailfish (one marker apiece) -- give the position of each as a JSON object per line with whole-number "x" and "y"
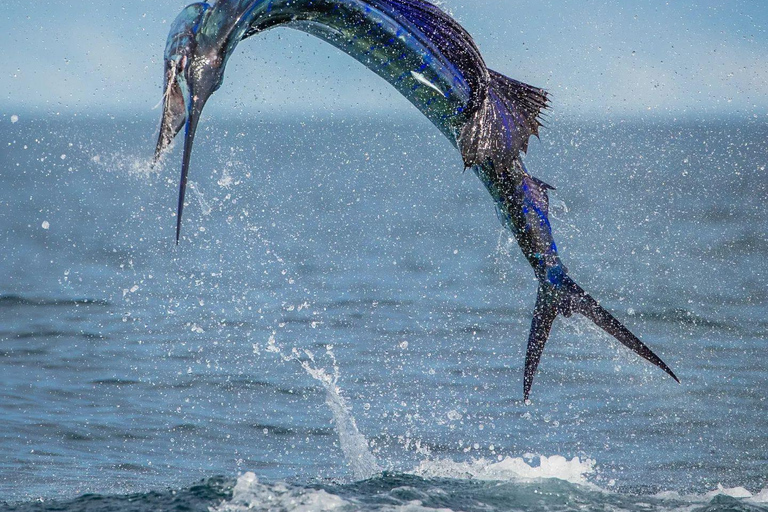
{"x": 431, "y": 60}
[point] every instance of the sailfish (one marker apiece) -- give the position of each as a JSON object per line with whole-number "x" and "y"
{"x": 431, "y": 60}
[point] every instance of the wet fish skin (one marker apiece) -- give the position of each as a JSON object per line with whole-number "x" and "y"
{"x": 432, "y": 61}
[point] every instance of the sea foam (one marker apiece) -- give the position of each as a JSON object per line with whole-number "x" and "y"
{"x": 250, "y": 494}
{"x": 574, "y": 471}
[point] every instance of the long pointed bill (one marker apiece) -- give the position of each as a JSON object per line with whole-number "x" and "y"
{"x": 193, "y": 117}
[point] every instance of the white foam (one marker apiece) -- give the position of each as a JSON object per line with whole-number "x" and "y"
{"x": 760, "y": 497}
{"x": 250, "y": 494}
{"x": 733, "y": 492}
{"x": 414, "y": 506}
{"x": 510, "y": 469}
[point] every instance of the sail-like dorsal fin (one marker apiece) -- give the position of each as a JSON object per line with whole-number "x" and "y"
{"x": 499, "y": 130}
{"x": 502, "y": 113}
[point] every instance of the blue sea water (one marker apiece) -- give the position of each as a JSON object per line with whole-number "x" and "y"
{"x": 343, "y": 325}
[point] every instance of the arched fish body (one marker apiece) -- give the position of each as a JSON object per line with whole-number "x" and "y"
{"x": 432, "y": 61}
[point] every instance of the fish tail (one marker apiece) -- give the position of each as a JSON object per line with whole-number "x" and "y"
{"x": 566, "y": 298}
{"x": 544, "y": 314}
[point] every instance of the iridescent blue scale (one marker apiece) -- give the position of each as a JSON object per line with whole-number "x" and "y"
{"x": 432, "y": 61}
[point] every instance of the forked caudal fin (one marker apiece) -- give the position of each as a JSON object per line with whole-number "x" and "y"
{"x": 566, "y": 299}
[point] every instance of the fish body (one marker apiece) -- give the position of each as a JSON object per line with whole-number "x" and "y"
{"x": 391, "y": 48}
{"x": 433, "y": 62}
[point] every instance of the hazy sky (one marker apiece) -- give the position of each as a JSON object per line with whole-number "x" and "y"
{"x": 595, "y": 56}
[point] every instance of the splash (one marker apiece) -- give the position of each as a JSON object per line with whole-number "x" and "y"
{"x": 250, "y": 494}
{"x": 354, "y": 445}
{"x": 121, "y": 162}
{"x": 574, "y": 471}
{"x": 503, "y": 260}
{"x": 205, "y": 206}
{"x": 739, "y": 493}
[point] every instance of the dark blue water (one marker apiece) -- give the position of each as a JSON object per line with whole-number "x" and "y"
{"x": 137, "y": 375}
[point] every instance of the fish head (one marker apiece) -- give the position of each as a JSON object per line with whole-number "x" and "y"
{"x": 180, "y": 51}
{"x": 194, "y": 70}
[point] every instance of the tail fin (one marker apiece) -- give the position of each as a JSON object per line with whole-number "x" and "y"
{"x": 566, "y": 299}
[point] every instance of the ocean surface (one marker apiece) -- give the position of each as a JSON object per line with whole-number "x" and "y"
{"x": 343, "y": 324}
